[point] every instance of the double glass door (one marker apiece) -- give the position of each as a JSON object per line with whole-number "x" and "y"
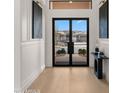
{"x": 70, "y": 41}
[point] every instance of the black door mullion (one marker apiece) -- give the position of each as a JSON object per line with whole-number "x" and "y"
{"x": 70, "y": 40}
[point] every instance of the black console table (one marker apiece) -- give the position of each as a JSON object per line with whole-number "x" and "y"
{"x": 98, "y": 62}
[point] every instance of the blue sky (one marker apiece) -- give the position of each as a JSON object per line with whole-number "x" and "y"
{"x": 77, "y": 25}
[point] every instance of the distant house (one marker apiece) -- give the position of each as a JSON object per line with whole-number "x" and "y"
{"x": 77, "y": 36}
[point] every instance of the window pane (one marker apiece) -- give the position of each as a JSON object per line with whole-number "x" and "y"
{"x": 37, "y": 21}
{"x": 79, "y": 38}
{"x": 61, "y": 39}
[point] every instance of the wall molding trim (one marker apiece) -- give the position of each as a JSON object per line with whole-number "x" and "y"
{"x": 30, "y": 42}
{"x": 27, "y": 82}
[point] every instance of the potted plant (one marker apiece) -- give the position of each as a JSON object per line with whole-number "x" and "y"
{"x": 82, "y": 51}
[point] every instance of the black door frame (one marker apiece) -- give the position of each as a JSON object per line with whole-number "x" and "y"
{"x": 70, "y": 37}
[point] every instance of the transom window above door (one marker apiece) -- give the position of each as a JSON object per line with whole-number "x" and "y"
{"x": 70, "y": 4}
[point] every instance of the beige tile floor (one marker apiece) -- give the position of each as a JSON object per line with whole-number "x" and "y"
{"x": 69, "y": 80}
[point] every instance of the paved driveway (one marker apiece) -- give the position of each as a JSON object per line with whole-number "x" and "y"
{"x": 76, "y": 58}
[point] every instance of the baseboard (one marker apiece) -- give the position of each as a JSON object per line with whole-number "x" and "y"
{"x": 31, "y": 78}
{"x": 18, "y": 90}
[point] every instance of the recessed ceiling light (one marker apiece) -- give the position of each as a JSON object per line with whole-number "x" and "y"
{"x": 70, "y": 1}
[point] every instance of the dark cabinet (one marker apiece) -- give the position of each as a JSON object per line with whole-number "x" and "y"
{"x": 98, "y": 70}
{"x": 98, "y": 65}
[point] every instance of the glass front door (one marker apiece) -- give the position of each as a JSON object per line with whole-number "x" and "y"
{"x": 70, "y": 41}
{"x": 61, "y": 34}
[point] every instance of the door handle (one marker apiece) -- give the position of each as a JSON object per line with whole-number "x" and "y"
{"x": 70, "y": 47}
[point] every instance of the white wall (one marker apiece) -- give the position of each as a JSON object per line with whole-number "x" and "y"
{"x": 29, "y": 54}
{"x": 32, "y": 63}
{"x": 17, "y": 48}
{"x": 91, "y": 14}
